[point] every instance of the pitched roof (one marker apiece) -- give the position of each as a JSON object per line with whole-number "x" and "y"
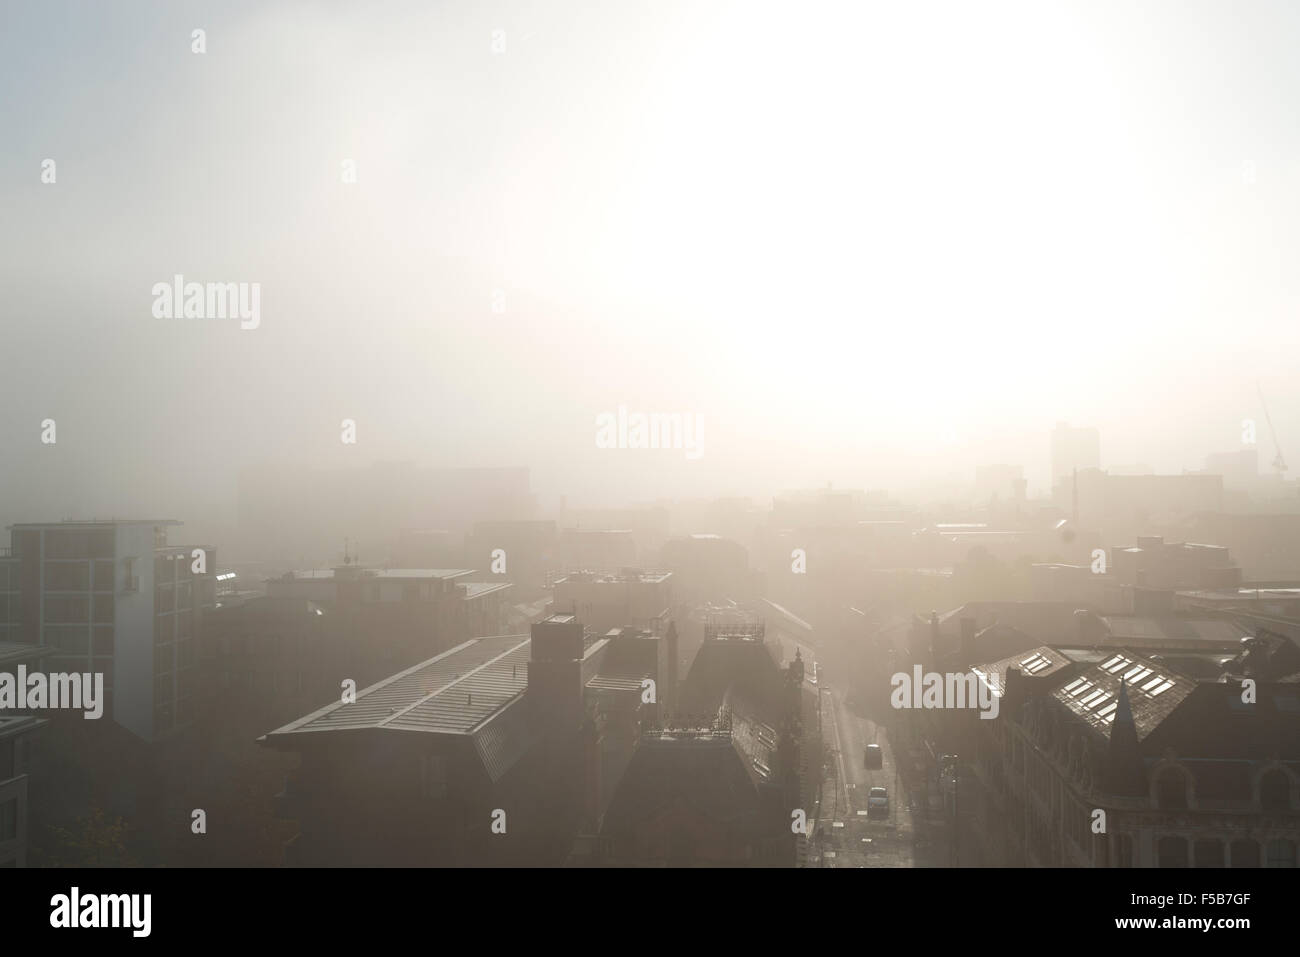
{"x": 721, "y": 664}
{"x": 703, "y": 773}
{"x": 452, "y": 693}
{"x": 1154, "y": 691}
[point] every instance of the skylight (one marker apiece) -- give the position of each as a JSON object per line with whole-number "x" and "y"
{"x": 1036, "y": 663}
{"x": 1115, "y": 664}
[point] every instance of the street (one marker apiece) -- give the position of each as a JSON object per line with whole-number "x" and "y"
{"x": 844, "y": 837}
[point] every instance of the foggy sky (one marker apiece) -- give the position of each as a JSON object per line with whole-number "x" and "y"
{"x": 872, "y": 244}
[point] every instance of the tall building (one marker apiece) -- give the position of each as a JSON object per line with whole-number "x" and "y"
{"x": 113, "y": 597}
{"x": 1074, "y": 448}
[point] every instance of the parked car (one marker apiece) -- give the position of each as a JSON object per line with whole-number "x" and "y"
{"x": 874, "y": 758}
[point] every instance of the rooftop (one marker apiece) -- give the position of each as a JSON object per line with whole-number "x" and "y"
{"x": 1154, "y": 691}
{"x": 627, "y": 575}
{"x": 95, "y": 523}
{"x": 452, "y": 693}
{"x": 479, "y": 589}
{"x": 328, "y": 574}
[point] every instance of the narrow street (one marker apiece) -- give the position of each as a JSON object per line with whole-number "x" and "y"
{"x": 844, "y": 836}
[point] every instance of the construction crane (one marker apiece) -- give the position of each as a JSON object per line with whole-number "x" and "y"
{"x": 1279, "y": 463}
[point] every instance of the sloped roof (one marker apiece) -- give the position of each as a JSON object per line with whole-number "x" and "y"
{"x": 721, "y": 664}
{"x": 704, "y": 774}
{"x": 1043, "y": 663}
{"x": 1154, "y": 691}
{"x": 450, "y": 694}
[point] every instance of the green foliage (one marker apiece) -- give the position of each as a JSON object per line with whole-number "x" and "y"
{"x": 95, "y": 841}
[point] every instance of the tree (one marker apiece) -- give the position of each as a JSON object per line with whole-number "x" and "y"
{"x": 95, "y": 841}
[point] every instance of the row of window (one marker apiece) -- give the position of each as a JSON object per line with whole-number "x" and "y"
{"x": 80, "y": 639}
{"x": 76, "y": 576}
{"x": 1172, "y": 790}
{"x": 70, "y": 544}
{"x": 1176, "y": 851}
{"x": 69, "y": 610}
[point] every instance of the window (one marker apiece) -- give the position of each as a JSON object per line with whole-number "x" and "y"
{"x": 105, "y": 606}
{"x": 71, "y": 610}
{"x": 1172, "y": 852}
{"x": 71, "y": 638}
{"x": 67, "y": 576}
{"x": 103, "y": 575}
{"x": 1036, "y": 663}
{"x": 7, "y": 762}
{"x": 1281, "y": 853}
{"x": 64, "y": 544}
{"x": 100, "y": 544}
{"x": 1245, "y": 853}
{"x": 1209, "y": 853}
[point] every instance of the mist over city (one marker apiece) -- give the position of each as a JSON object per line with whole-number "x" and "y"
{"x": 596, "y": 435}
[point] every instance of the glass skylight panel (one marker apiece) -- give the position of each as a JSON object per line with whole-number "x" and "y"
{"x": 1137, "y": 674}
{"x": 1113, "y": 659}
{"x": 1097, "y": 702}
{"x": 1081, "y": 689}
{"x": 1108, "y": 712}
{"x": 1073, "y": 684}
{"x": 1153, "y": 682}
{"x": 1036, "y": 663}
{"x": 1163, "y": 688}
{"x": 1097, "y": 695}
